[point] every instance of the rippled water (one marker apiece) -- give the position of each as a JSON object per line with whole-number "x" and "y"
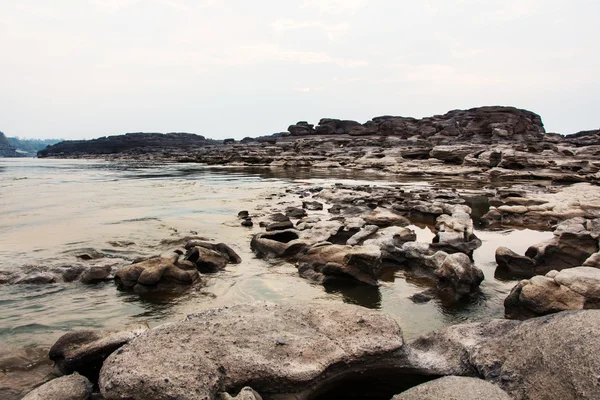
{"x": 54, "y": 210}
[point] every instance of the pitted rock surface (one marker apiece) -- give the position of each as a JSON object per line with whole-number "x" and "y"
{"x": 272, "y": 348}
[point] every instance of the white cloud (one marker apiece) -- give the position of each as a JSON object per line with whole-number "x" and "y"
{"x": 332, "y": 31}
{"x": 335, "y": 7}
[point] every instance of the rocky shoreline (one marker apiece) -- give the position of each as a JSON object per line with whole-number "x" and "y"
{"x": 354, "y": 234}
{"x": 489, "y": 143}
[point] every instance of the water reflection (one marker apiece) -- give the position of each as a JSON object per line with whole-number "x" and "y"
{"x": 352, "y": 293}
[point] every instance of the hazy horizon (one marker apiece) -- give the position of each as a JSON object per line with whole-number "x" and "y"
{"x": 91, "y": 68}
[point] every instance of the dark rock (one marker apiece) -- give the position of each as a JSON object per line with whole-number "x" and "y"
{"x": 97, "y": 274}
{"x": 514, "y": 264}
{"x": 295, "y": 212}
{"x": 85, "y": 351}
{"x": 279, "y": 226}
{"x": 312, "y": 205}
{"x": 150, "y": 273}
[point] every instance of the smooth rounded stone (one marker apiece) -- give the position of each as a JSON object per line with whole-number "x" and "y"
{"x": 570, "y": 289}
{"x": 454, "y": 388}
{"x": 70, "y": 387}
{"x": 593, "y": 261}
{"x": 279, "y": 226}
{"x": 455, "y": 154}
{"x": 243, "y": 214}
{"x": 97, "y": 273}
{"x": 41, "y": 278}
{"x": 247, "y": 223}
{"x": 277, "y": 244}
{"x": 458, "y": 274}
{"x": 227, "y": 252}
{"x": 331, "y": 262}
{"x": 383, "y": 217}
{"x": 246, "y": 393}
{"x": 295, "y": 212}
{"x": 361, "y": 235}
{"x": 279, "y": 217}
{"x": 282, "y": 349}
{"x": 312, "y": 205}
{"x": 153, "y": 271}
{"x": 85, "y": 351}
{"x": 514, "y": 264}
{"x": 205, "y": 260}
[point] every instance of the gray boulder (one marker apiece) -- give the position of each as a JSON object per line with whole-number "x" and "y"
{"x": 278, "y": 349}
{"x": 545, "y": 358}
{"x": 454, "y": 388}
{"x": 70, "y": 387}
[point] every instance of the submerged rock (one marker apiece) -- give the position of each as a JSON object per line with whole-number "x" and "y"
{"x": 70, "y": 387}
{"x": 154, "y": 273}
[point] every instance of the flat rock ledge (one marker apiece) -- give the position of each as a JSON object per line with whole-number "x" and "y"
{"x": 276, "y": 349}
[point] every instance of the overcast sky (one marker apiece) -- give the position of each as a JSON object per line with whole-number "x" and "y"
{"x": 234, "y": 68}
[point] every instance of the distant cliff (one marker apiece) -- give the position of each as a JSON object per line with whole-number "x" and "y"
{"x": 5, "y": 148}
{"x": 130, "y": 144}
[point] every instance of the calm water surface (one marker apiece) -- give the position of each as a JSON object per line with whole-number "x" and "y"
{"x": 54, "y": 210}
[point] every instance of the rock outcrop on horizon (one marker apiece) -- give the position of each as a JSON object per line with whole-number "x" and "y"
{"x": 494, "y": 142}
{"x": 6, "y": 150}
{"x": 129, "y": 144}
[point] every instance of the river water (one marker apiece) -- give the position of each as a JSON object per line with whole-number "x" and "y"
{"x": 54, "y": 211}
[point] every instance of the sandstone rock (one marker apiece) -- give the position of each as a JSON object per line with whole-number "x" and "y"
{"x": 150, "y": 273}
{"x": 71, "y": 387}
{"x": 455, "y": 388}
{"x": 570, "y": 289}
{"x": 454, "y": 154}
{"x": 545, "y": 358}
{"x": 277, "y": 244}
{"x": 282, "y": 349}
{"x": 295, "y": 212}
{"x": 97, "y": 273}
{"x": 514, "y": 264}
{"x": 383, "y": 217}
{"x": 330, "y": 262}
{"x": 279, "y": 226}
{"x": 205, "y": 260}
{"x": 312, "y": 205}
{"x": 85, "y": 351}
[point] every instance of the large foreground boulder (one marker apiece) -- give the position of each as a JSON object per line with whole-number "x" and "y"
{"x": 454, "y": 388}
{"x": 70, "y": 387}
{"x": 275, "y": 349}
{"x": 545, "y": 358}
{"x": 570, "y": 289}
